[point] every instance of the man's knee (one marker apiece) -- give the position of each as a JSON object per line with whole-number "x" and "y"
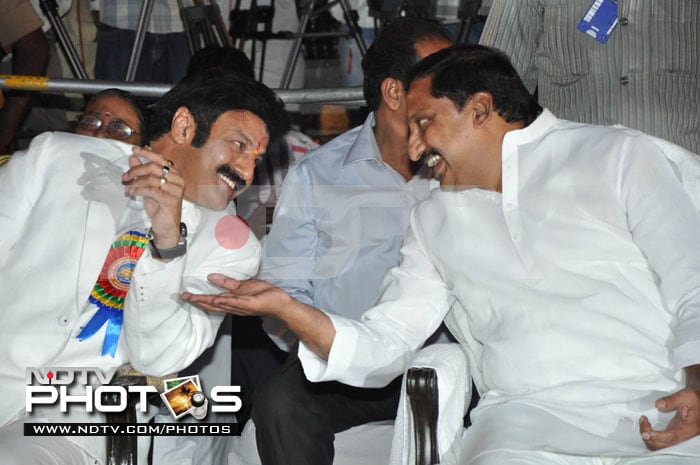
{"x": 282, "y": 396}
{"x": 18, "y": 449}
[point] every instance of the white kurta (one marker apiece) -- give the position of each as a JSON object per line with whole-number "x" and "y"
{"x": 576, "y": 293}
{"x": 62, "y": 205}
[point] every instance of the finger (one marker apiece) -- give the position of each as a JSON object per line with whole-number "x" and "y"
{"x": 668, "y": 403}
{"x": 249, "y": 287}
{"x": 143, "y": 179}
{"x": 677, "y": 431}
{"x": 224, "y": 281}
{"x": 644, "y": 425}
{"x": 152, "y": 169}
{"x": 139, "y": 169}
{"x": 225, "y": 303}
{"x": 134, "y": 161}
{"x": 647, "y": 433}
{"x": 661, "y": 439}
{"x": 203, "y": 302}
{"x": 161, "y": 196}
{"x": 680, "y": 400}
{"x": 150, "y": 155}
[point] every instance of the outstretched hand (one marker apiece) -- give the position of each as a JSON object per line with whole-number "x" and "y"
{"x": 684, "y": 425}
{"x": 260, "y": 298}
{"x": 246, "y": 298}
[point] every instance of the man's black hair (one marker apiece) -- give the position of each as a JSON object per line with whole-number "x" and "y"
{"x": 212, "y": 59}
{"x": 462, "y": 70}
{"x": 136, "y": 104}
{"x": 209, "y": 96}
{"x": 393, "y": 53}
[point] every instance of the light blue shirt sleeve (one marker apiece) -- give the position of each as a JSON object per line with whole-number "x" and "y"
{"x": 290, "y": 249}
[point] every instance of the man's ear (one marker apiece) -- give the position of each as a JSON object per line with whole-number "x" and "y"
{"x": 392, "y": 93}
{"x": 183, "y": 127}
{"x": 482, "y": 104}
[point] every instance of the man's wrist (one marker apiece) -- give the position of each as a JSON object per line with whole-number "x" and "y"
{"x": 170, "y": 252}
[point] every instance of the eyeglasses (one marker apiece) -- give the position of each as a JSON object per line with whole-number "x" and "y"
{"x": 116, "y": 128}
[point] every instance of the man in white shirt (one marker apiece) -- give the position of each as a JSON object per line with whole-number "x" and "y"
{"x": 98, "y": 237}
{"x": 562, "y": 256}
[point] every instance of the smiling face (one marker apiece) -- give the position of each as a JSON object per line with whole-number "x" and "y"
{"x": 439, "y": 129}
{"x": 110, "y": 109}
{"x": 223, "y": 167}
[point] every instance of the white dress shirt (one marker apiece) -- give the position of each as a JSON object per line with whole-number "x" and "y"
{"x": 575, "y": 293}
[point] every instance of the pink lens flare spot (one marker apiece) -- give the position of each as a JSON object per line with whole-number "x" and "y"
{"x": 232, "y": 232}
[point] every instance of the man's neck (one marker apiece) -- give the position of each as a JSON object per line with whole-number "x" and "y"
{"x": 393, "y": 146}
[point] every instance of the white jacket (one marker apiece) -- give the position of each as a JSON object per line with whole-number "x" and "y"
{"x": 62, "y": 205}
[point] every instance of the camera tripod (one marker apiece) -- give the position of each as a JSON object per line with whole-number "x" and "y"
{"x": 308, "y": 11}
{"x": 202, "y": 24}
{"x": 50, "y": 10}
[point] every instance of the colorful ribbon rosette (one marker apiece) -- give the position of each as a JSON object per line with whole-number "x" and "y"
{"x": 111, "y": 288}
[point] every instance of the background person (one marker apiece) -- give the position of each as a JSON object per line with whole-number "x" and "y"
{"x": 646, "y": 76}
{"x": 20, "y": 35}
{"x": 114, "y": 114}
{"x": 337, "y": 228}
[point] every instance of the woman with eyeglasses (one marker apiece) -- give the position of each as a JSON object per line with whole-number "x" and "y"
{"x": 114, "y": 114}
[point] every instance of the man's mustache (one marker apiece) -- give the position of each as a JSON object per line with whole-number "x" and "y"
{"x": 233, "y": 176}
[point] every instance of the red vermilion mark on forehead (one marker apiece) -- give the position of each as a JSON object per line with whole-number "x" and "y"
{"x": 256, "y": 150}
{"x": 232, "y": 232}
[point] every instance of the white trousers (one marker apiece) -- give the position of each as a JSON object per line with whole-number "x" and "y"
{"x": 550, "y": 458}
{"x": 18, "y": 449}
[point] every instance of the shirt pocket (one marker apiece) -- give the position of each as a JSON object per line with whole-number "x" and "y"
{"x": 675, "y": 34}
{"x": 564, "y": 54}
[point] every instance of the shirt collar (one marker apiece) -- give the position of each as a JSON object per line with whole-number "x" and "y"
{"x": 365, "y": 145}
{"x": 537, "y": 129}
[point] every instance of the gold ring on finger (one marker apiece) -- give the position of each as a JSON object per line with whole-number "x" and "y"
{"x": 166, "y": 170}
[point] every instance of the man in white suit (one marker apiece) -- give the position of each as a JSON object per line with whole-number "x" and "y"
{"x": 98, "y": 238}
{"x": 562, "y": 256}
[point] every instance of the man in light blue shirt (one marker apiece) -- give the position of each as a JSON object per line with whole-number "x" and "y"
{"x": 337, "y": 229}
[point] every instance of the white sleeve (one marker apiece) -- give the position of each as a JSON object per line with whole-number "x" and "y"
{"x": 666, "y": 227}
{"x": 20, "y": 184}
{"x": 373, "y": 351}
{"x": 163, "y": 334}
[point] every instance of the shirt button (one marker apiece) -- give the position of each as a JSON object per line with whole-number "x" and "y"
{"x": 624, "y": 21}
{"x": 516, "y": 237}
{"x": 509, "y": 206}
{"x": 624, "y": 80}
{"x": 63, "y": 320}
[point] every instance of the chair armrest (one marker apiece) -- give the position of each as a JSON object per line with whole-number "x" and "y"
{"x": 429, "y": 427}
{"x": 122, "y": 450}
{"x": 422, "y": 392}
